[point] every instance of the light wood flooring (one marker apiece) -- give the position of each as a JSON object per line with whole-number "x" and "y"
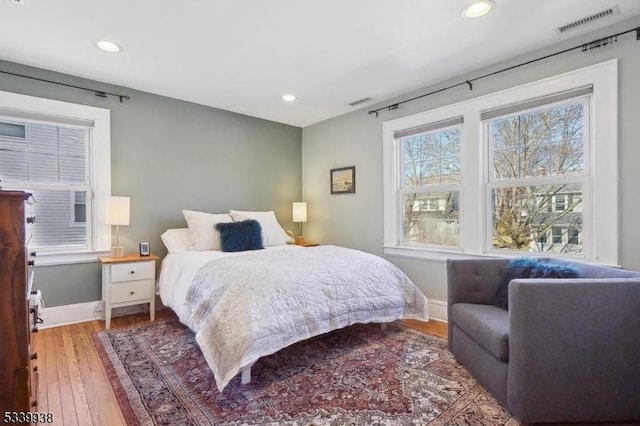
{"x": 73, "y": 383}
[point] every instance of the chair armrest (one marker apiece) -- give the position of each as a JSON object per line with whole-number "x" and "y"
{"x": 573, "y": 342}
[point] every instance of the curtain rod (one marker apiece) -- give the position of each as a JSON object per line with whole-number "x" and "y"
{"x": 98, "y": 93}
{"x": 601, "y": 42}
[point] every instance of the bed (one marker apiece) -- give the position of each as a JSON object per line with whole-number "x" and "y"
{"x": 244, "y": 305}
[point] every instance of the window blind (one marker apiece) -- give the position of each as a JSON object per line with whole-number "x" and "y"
{"x": 51, "y": 162}
{"x": 428, "y": 127}
{"x": 537, "y": 102}
{"x": 20, "y": 115}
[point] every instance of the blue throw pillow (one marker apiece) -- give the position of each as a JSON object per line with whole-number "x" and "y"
{"x": 240, "y": 236}
{"x": 530, "y": 267}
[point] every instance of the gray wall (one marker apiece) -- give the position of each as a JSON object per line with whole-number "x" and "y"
{"x": 356, "y": 139}
{"x": 170, "y": 155}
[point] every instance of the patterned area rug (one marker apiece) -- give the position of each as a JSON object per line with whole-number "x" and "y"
{"x": 360, "y": 375}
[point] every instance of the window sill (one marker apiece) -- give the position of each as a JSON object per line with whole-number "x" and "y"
{"x": 432, "y": 255}
{"x": 68, "y": 258}
{"x": 441, "y": 256}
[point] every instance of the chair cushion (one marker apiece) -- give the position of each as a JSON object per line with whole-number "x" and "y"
{"x": 487, "y": 325}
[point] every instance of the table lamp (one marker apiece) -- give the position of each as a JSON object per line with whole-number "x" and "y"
{"x": 300, "y": 215}
{"x": 117, "y": 214}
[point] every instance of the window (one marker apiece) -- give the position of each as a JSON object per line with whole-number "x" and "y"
{"x": 537, "y": 164}
{"x": 50, "y": 161}
{"x": 79, "y": 208}
{"x": 431, "y": 184}
{"x": 518, "y": 176}
{"x": 559, "y": 203}
{"x": 60, "y": 153}
{"x": 573, "y": 237}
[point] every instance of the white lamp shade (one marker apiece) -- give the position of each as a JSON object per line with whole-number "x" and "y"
{"x": 300, "y": 211}
{"x": 117, "y": 210}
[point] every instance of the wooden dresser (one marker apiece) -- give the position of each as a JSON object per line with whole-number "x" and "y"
{"x": 18, "y": 370}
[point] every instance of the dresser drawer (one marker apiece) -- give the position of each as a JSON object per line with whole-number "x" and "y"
{"x": 132, "y": 271}
{"x": 135, "y": 290}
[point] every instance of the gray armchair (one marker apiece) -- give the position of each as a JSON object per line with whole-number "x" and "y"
{"x": 567, "y": 350}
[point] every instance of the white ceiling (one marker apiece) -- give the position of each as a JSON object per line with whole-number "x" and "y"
{"x": 242, "y": 55}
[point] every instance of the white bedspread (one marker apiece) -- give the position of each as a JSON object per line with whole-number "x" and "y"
{"x": 247, "y": 306}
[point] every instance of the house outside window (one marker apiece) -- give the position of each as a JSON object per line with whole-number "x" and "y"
{"x": 59, "y": 152}
{"x": 526, "y": 178}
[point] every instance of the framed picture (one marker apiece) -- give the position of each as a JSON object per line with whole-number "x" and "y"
{"x": 144, "y": 249}
{"x": 343, "y": 180}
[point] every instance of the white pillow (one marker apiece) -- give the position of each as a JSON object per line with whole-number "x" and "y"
{"x": 272, "y": 232}
{"x": 202, "y": 229}
{"x": 176, "y": 240}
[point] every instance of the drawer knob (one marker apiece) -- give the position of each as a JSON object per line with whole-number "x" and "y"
{"x": 132, "y": 293}
{"x": 31, "y": 219}
{"x": 132, "y": 272}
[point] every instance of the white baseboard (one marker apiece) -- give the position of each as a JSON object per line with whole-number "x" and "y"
{"x": 57, "y": 316}
{"x": 438, "y": 310}
{"x": 70, "y": 314}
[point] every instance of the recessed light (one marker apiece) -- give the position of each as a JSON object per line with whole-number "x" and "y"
{"x": 288, "y": 98}
{"x": 478, "y": 8}
{"x": 108, "y": 46}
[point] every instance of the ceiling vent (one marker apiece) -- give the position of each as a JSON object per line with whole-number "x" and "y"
{"x": 360, "y": 101}
{"x": 612, "y": 11}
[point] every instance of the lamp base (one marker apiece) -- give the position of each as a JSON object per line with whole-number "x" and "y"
{"x": 300, "y": 240}
{"x": 117, "y": 251}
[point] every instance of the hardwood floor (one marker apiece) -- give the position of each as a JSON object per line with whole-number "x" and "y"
{"x": 435, "y": 328}
{"x": 73, "y": 382}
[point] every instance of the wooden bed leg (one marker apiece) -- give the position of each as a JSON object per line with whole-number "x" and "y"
{"x": 383, "y": 326}
{"x": 245, "y": 374}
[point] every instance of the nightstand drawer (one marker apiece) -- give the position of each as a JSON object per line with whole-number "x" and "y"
{"x": 132, "y": 271}
{"x": 127, "y": 292}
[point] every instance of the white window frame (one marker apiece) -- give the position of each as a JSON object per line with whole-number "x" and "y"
{"x": 600, "y": 243}
{"x": 99, "y": 157}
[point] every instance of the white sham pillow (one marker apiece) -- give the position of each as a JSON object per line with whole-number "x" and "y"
{"x": 176, "y": 240}
{"x": 202, "y": 229}
{"x": 272, "y": 232}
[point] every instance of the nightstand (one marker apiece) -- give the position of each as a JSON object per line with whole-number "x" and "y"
{"x": 128, "y": 280}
